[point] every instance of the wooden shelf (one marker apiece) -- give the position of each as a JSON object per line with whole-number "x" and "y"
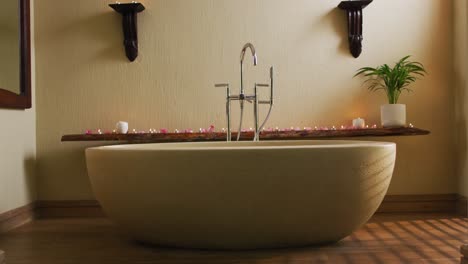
{"x": 276, "y": 135}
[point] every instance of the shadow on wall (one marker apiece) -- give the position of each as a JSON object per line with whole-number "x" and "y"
{"x": 29, "y": 168}
{"x": 69, "y": 161}
{"x": 460, "y": 124}
{"x": 337, "y": 19}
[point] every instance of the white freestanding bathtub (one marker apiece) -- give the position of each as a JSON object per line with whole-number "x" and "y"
{"x": 244, "y": 195}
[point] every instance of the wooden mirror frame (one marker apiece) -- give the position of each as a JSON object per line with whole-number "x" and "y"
{"x": 22, "y": 100}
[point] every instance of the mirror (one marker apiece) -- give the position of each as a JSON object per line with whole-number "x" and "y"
{"x": 15, "y": 63}
{"x": 9, "y": 46}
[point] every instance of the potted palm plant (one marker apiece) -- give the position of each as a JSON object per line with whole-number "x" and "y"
{"x": 393, "y": 81}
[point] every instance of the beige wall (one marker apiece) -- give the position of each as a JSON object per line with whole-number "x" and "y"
{"x": 18, "y": 154}
{"x": 84, "y": 80}
{"x": 461, "y": 89}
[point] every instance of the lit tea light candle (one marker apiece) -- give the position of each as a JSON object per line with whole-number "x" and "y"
{"x": 99, "y": 131}
{"x": 359, "y": 123}
{"x": 411, "y": 125}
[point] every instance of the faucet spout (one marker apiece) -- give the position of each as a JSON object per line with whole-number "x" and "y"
{"x": 255, "y": 62}
{"x": 252, "y": 49}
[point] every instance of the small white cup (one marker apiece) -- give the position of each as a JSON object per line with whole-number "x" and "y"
{"x": 121, "y": 127}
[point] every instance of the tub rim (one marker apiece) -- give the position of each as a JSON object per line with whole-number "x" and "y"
{"x": 244, "y": 145}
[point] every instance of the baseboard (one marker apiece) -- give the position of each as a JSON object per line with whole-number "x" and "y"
{"x": 436, "y": 203}
{"x": 66, "y": 209}
{"x": 17, "y": 217}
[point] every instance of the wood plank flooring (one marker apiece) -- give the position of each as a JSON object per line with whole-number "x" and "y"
{"x": 387, "y": 238}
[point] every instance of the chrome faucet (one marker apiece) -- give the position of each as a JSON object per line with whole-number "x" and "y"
{"x": 242, "y": 97}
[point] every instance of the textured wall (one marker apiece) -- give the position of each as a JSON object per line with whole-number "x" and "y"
{"x": 84, "y": 80}
{"x": 461, "y": 91}
{"x": 18, "y": 155}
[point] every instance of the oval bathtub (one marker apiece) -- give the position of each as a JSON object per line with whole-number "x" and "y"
{"x": 243, "y": 195}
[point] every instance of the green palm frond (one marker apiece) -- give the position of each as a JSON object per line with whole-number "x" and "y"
{"x": 392, "y": 80}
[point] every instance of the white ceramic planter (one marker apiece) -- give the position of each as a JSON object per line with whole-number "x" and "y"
{"x": 393, "y": 115}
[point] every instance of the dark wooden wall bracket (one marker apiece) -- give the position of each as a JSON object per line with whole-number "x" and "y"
{"x": 354, "y": 12}
{"x": 129, "y": 13}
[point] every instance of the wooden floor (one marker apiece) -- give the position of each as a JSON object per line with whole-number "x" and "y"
{"x": 386, "y": 239}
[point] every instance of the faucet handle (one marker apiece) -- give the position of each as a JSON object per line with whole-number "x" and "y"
{"x": 222, "y": 85}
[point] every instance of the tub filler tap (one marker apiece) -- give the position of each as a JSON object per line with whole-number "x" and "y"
{"x": 252, "y": 98}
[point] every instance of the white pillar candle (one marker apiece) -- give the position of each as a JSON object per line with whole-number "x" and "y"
{"x": 359, "y": 123}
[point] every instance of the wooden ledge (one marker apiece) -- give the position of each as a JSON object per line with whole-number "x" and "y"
{"x": 275, "y": 135}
